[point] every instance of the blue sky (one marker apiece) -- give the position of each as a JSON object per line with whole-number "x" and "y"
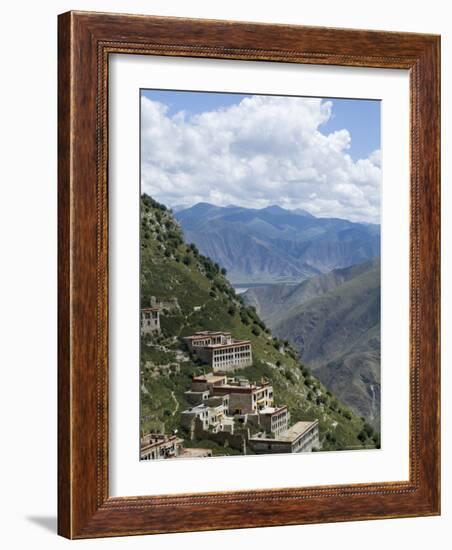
{"x": 361, "y": 117}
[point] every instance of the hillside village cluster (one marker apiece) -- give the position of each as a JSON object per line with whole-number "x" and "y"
{"x": 224, "y": 408}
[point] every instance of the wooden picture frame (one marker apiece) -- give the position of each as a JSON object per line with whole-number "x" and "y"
{"x": 86, "y": 40}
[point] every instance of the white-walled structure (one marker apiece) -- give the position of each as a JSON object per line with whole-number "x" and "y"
{"x": 220, "y": 351}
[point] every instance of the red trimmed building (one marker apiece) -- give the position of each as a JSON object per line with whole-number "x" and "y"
{"x": 220, "y": 351}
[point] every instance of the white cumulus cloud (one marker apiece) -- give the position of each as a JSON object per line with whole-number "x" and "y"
{"x": 264, "y": 150}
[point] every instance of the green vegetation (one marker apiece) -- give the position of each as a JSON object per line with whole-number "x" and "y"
{"x": 206, "y": 301}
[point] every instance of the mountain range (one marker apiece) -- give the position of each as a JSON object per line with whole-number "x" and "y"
{"x": 273, "y": 244}
{"x": 175, "y": 271}
{"x": 333, "y": 320}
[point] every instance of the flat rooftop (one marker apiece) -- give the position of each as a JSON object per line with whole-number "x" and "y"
{"x": 210, "y": 377}
{"x": 202, "y": 407}
{"x": 204, "y": 333}
{"x": 293, "y": 433}
{"x": 197, "y": 408}
{"x": 230, "y": 344}
{"x": 240, "y": 388}
{"x": 272, "y": 410}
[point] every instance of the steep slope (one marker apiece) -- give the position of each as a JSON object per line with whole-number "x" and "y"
{"x": 276, "y": 245}
{"x": 334, "y": 322}
{"x": 171, "y": 269}
{"x": 272, "y": 302}
{"x": 354, "y": 376}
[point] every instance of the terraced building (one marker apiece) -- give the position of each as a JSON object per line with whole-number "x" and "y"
{"x": 220, "y": 351}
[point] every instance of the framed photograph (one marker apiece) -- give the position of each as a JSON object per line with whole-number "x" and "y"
{"x": 248, "y": 275}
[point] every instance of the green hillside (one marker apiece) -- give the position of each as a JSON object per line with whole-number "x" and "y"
{"x": 206, "y": 301}
{"x": 275, "y": 302}
{"x": 338, "y": 335}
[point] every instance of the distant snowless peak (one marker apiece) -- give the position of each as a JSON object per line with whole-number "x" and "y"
{"x": 275, "y": 209}
{"x": 203, "y": 207}
{"x": 302, "y": 212}
{"x": 272, "y": 209}
{"x": 179, "y": 207}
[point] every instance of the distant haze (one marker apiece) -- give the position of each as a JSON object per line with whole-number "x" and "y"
{"x": 272, "y": 244}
